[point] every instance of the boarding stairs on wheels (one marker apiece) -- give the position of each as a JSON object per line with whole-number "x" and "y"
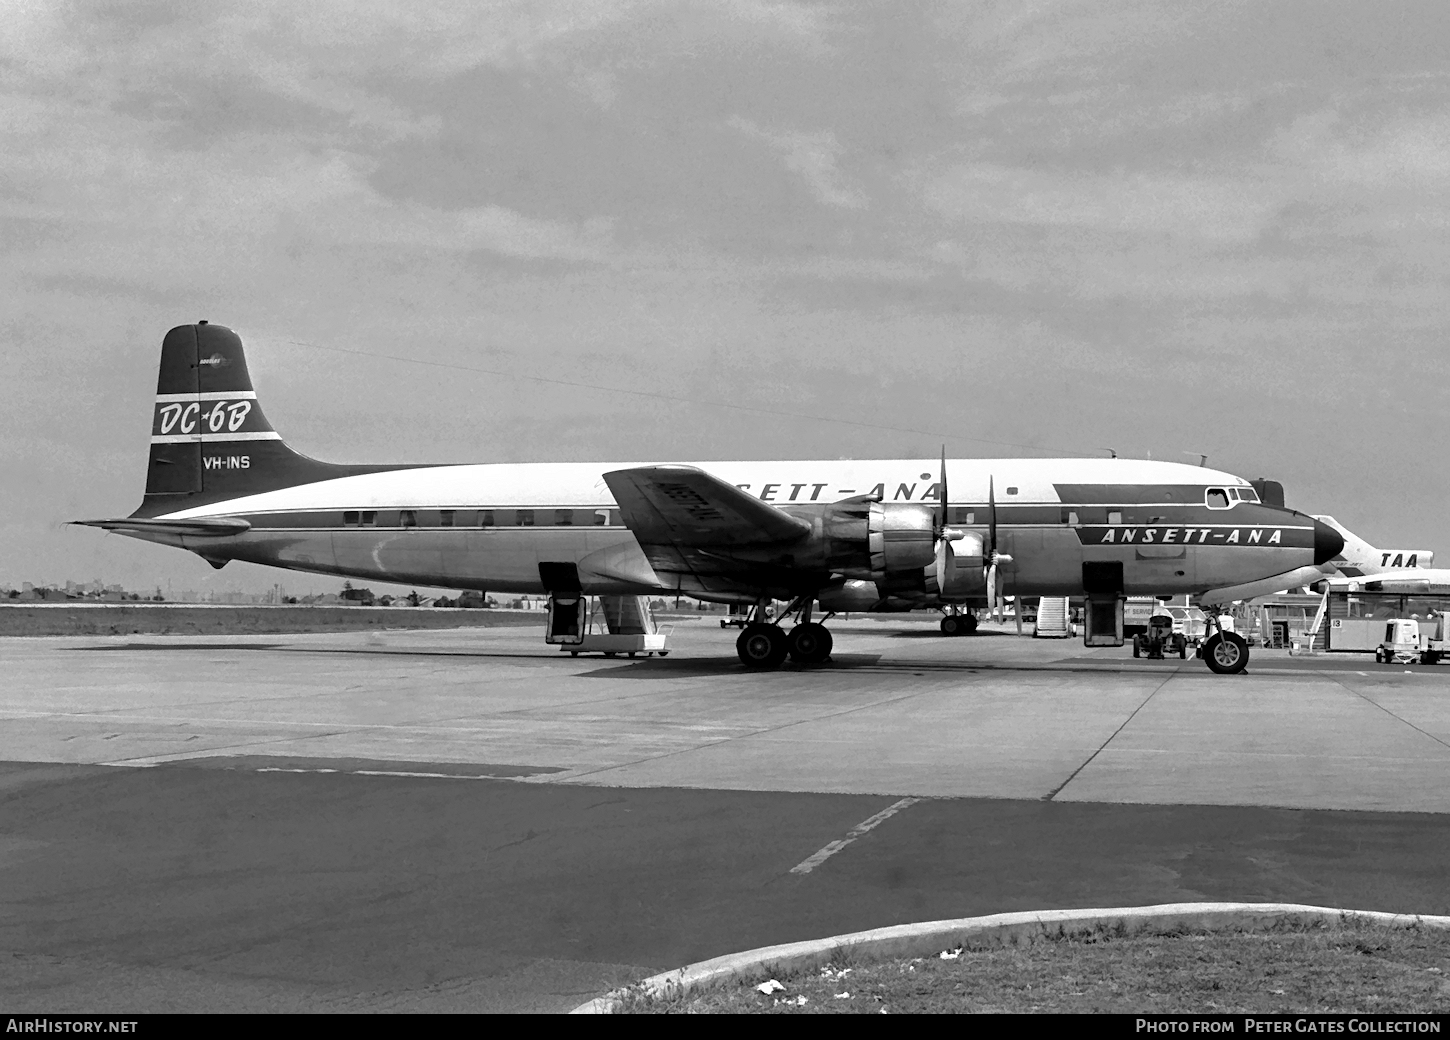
{"x": 609, "y": 625}
{"x": 1053, "y": 618}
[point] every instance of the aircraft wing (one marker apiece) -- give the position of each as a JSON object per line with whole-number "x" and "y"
{"x": 685, "y": 507}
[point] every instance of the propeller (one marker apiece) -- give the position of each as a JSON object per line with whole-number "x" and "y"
{"x": 942, "y": 534}
{"x": 994, "y": 594}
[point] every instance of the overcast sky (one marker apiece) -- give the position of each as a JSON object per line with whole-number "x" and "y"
{"x": 1156, "y": 227}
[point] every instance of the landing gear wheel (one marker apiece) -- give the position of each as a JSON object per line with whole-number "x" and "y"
{"x": 810, "y": 643}
{"x": 969, "y": 624}
{"x": 1137, "y": 647}
{"x": 1226, "y": 653}
{"x": 762, "y": 646}
{"x": 951, "y": 625}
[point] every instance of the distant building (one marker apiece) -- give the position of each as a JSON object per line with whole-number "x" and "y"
{"x": 358, "y": 597}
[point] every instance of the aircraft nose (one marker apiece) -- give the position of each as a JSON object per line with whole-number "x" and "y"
{"x": 1328, "y": 543}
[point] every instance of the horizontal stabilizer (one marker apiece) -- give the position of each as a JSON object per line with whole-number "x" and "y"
{"x": 218, "y": 527}
{"x": 685, "y": 506}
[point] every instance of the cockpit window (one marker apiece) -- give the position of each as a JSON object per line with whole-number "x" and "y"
{"x": 1248, "y": 494}
{"x": 1217, "y": 498}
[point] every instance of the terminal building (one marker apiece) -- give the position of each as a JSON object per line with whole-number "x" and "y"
{"x": 1355, "y": 616}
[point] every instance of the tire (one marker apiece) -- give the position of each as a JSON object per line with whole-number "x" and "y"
{"x": 664, "y": 653}
{"x": 1137, "y": 647}
{"x": 969, "y": 624}
{"x": 762, "y": 647}
{"x": 951, "y": 625}
{"x": 810, "y": 643}
{"x": 1226, "y": 653}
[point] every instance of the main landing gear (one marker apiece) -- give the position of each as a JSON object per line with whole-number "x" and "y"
{"x": 764, "y": 645}
{"x": 958, "y": 624}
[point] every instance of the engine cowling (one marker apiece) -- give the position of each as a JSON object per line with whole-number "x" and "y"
{"x": 893, "y": 546}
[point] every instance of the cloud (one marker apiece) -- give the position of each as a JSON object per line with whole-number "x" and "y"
{"x": 812, "y": 157}
{"x": 1409, "y": 152}
{"x": 1222, "y": 210}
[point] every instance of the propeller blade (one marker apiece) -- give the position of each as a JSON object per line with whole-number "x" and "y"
{"x": 942, "y": 500}
{"x": 992, "y": 513}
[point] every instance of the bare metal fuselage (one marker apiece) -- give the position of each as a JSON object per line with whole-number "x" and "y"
{"x": 491, "y": 526}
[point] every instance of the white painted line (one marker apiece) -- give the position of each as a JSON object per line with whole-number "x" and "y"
{"x": 805, "y": 866}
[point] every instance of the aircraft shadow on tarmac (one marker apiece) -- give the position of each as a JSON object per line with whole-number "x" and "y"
{"x": 728, "y": 664}
{"x": 915, "y": 633}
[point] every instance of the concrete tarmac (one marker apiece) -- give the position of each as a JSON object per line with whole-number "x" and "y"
{"x": 469, "y": 820}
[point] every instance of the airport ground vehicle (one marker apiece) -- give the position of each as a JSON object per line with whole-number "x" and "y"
{"x": 1159, "y": 638}
{"x": 1408, "y": 640}
{"x": 816, "y": 535}
{"x": 1190, "y": 623}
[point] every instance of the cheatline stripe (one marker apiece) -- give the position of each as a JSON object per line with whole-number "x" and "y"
{"x": 214, "y": 438}
{"x": 215, "y": 395}
{"x": 809, "y": 864}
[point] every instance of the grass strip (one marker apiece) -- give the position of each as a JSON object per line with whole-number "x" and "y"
{"x": 1347, "y": 968}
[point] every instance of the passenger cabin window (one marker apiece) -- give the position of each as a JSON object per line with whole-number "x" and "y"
{"x": 1011, "y": 491}
{"x": 601, "y": 518}
{"x": 485, "y": 518}
{"x": 407, "y": 518}
{"x": 445, "y": 518}
{"x": 1217, "y": 498}
{"x": 351, "y": 518}
{"x": 1115, "y": 516}
{"x": 960, "y": 515}
{"x": 524, "y": 518}
{"x": 369, "y": 517}
{"x": 563, "y": 518}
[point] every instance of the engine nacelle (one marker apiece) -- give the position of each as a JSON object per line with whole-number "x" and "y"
{"x": 855, "y": 595}
{"x": 893, "y": 546}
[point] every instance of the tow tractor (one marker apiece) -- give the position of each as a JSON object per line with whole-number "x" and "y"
{"x": 1408, "y": 640}
{"x": 1159, "y": 637}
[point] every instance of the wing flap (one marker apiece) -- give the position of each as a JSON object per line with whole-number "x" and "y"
{"x": 685, "y": 506}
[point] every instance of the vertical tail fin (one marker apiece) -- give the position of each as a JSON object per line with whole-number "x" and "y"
{"x": 1359, "y": 558}
{"x": 210, "y": 440}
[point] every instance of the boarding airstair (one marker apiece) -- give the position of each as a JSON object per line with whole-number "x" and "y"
{"x": 613, "y": 625}
{"x": 1053, "y": 618}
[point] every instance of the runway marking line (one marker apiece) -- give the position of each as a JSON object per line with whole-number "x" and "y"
{"x": 813, "y": 861}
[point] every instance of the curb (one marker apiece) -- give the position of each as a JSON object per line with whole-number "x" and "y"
{"x": 928, "y": 937}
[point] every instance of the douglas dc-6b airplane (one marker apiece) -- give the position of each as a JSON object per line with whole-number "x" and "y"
{"x": 857, "y": 535}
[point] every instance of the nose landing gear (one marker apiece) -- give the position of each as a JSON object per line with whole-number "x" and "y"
{"x": 1225, "y": 653}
